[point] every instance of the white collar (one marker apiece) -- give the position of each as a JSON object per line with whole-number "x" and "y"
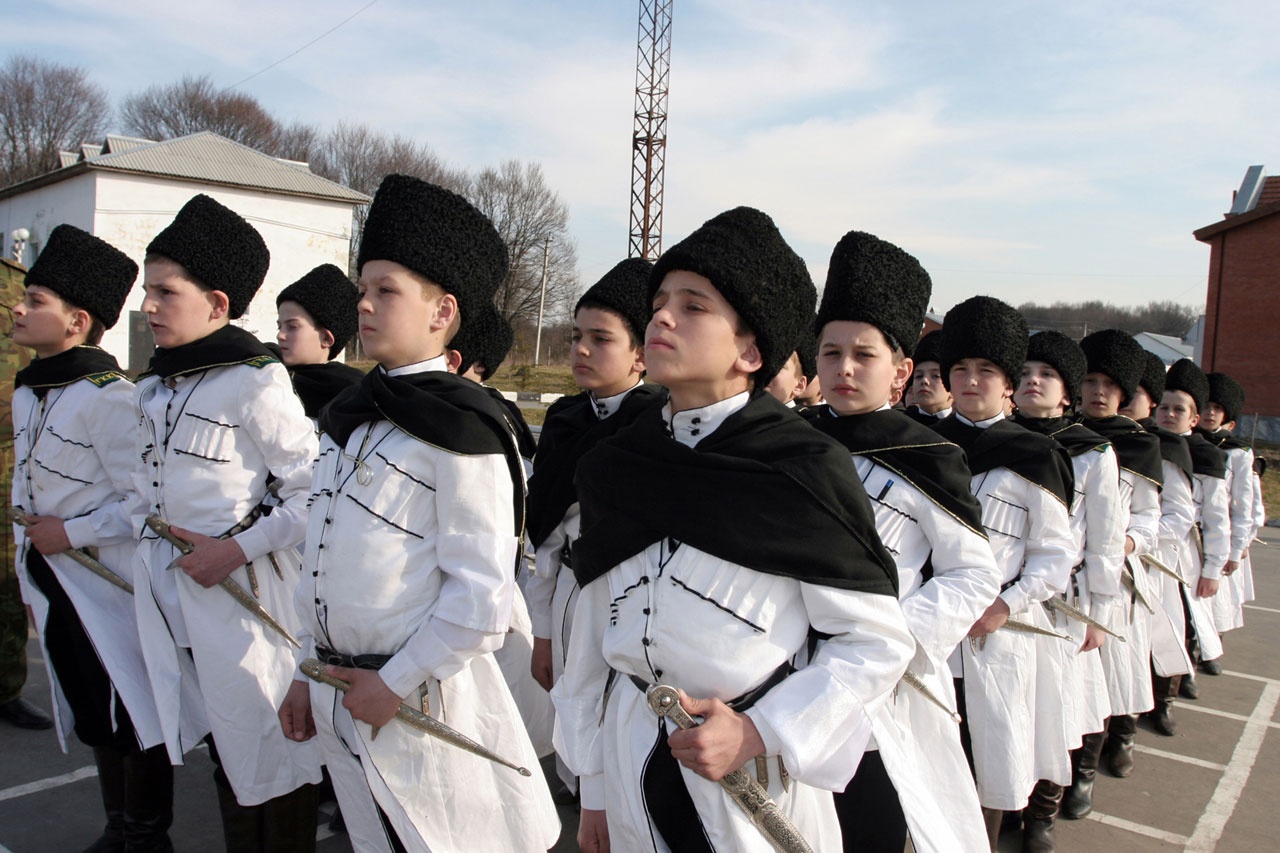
{"x": 790, "y": 404}
{"x": 980, "y": 424}
{"x": 608, "y": 406}
{"x": 692, "y": 425}
{"x": 437, "y": 363}
{"x": 941, "y": 413}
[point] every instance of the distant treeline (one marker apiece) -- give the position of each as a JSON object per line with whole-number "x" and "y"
{"x": 1081, "y": 318}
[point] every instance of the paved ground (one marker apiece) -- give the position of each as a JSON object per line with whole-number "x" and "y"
{"x": 1215, "y": 786}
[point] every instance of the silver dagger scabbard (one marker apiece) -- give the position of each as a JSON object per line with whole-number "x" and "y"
{"x": 1152, "y": 561}
{"x": 1028, "y": 628}
{"x": 239, "y": 593}
{"x": 1127, "y": 581}
{"x": 21, "y": 518}
{"x": 314, "y": 670}
{"x": 1055, "y": 603}
{"x": 773, "y": 824}
{"x": 917, "y": 682}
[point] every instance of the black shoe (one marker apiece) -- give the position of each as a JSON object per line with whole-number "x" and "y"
{"x": 24, "y": 715}
{"x": 1188, "y": 689}
{"x": 1162, "y": 720}
{"x": 1211, "y": 667}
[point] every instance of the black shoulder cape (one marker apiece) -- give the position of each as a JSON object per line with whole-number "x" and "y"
{"x": 227, "y": 346}
{"x": 82, "y": 362}
{"x": 1033, "y": 457}
{"x": 1137, "y": 449}
{"x": 922, "y": 417}
{"x": 1223, "y": 439}
{"x": 436, "y": 407}
{"x": 515, "y": 421}
{"x": 1173, "y": 447}
{"x": 1075, "y": 437}
{"x": 917, "y": 454}
{"x": 1206, "y": 459}
{"x": 571, "y": 429}
{"x": 764, "y": 490}
{"x": 317, "y": 384}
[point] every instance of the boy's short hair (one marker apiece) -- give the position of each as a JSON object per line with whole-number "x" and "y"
{"x": 331, "y": 299}
{"x": 624, "y": 290}
{"x": 86, "y": 272}
{"x": 438, "y": 235}
{"x": 742, "y": 253}
{"x": 484, "y": 338}
{"x": 984, "y": 327}
{"x": 218, "y": 249}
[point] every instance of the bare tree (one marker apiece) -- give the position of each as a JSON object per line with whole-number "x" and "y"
{"x": 45, "y": 108}
{"x": 1078, "y": 319}
{"x": 195, "y": 104}
{"x": 297, "y": 141}
{"x": 532, "y": 221}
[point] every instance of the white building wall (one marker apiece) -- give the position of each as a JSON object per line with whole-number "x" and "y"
{"x": 128, "y": 211}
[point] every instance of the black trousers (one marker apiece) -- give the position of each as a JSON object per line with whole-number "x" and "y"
{"x": 871, "y": 818}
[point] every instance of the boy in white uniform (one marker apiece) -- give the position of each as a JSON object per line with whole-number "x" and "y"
{"x": 931, "y": 401}
{"x": 691, "y": 575}
{"x": 74, "y": 443}
{"x": 316, "y": 317}
{"x": 915, "y": 776}
{"x": 410, "y": 558}
{"x": 1217, "y": 423}
{"x": 1023, "y": 481}
{"x": 219, "y": 423}
{"x": 1115, "y": 363}
{"x": 1050, "y": 383}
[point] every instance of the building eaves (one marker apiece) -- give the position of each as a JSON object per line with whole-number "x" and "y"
{"x": 1262, "y": 211}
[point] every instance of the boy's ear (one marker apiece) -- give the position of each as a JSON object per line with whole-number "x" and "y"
{"x": 454, "y": 360}
{"x": 326, "y": 339}
{"x": 637, "y": 364}
{"x": 902, "y": 373}
{"x": 220, "y": 304}
{"x": 1195, "y": 420}
{"x": 446, "y": 313}
{"x": 749, "y": 359}
{"x": 80, "y": 322}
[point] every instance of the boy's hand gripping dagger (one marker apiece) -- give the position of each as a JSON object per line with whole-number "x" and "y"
{"x": 753, "y": 799}
{"x": 239, "y": 593}
{"x": 20, "y": 517}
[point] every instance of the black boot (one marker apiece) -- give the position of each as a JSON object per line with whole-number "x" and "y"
{"x": 1188, "y": 689}
{"x": 1161, "y": 716}
{"x": 289, "y": 821}
{"x": 1119, "y": 744}
{"x": 1039, "y": 816}
{"x": 1078, "y": 799}
{"x": 1211, "y": 667}
{"x": 241, "y": 825}
{"x": 110, "y": 762}
{"x": 148, "y": 805}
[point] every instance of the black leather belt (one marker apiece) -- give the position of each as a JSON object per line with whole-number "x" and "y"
{"x": 332, "y": 658}
{"x": 1008, "y": 584}
{"x": 746, "y": 700}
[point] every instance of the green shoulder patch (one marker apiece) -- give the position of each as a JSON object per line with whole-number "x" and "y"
{"x": 105, "y": 378}
{"x": 262, "y": 361}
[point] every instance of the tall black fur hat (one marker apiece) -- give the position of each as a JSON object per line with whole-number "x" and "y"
{"x": 807, "y": 349}
{"x": 984, "y": 327}
{"x": 1063, "y": 355}
{"x": 330, "y": 298}
{"x": 86, "y": 271}
{"x": 439, "y": 235}
{"x": 1114, "y": 353}
{"x": 624, "y": 290}
{"x": 218, "y": 248}
{"x": 929, "y": 348}
{"x": 743, "y": 254}
{"x": 485, "y": 336}
{"x": 873, "y": 281}
{"x": 1223, "y": 390}
{"x": 1153, "y": 376}
{"x": 1187, "y": 377}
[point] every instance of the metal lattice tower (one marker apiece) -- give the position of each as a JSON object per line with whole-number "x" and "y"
{"x": 649, "y": 142}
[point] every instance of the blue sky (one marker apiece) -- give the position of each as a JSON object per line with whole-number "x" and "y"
{"x": 1019, "y": 149}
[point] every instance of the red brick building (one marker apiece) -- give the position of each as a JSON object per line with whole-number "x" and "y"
{"x": 1240, "y": 330}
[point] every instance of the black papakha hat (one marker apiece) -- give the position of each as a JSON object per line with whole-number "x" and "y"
{"x": 1115, "y": 354}
{"x": 984, "y": 327}
{"x": 218, "y": 248}
{"x": 1153, "y": 376}
{"x": 1063, "y": 355}
{"x": 1187, "y": 377}
{"x": 873, "y": 281}
{"x": 807, "y": 349}
{"x": 439, "y": 235}
{"x": 624, "y": 290}
{"x": 86, "y": 271}
{"x": 929, "y": 348}
{"x": 743, "y": 254}
{"x": 485, "y": 336}
{"x": 1223, "y": 390}
{"x": 330, "y": 298}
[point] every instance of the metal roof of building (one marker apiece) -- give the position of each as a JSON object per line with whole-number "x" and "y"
{"x": 1168, "y": 348}
{"x": 202, "y": 157}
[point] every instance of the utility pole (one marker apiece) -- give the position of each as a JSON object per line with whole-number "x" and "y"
{"x": 649, "y": 139}
{"x": 542, "y": 301}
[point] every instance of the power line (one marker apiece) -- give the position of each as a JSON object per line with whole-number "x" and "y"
{"x": 329, "y": 31}
{"x": 1075, "y": 274}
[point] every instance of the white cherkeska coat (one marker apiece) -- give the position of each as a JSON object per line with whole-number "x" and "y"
{"x": 209, "y": 445}
{"x": 1228, "y": 604}
{"x": 415, "y": 558}
{"x": 73, "y": 454}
